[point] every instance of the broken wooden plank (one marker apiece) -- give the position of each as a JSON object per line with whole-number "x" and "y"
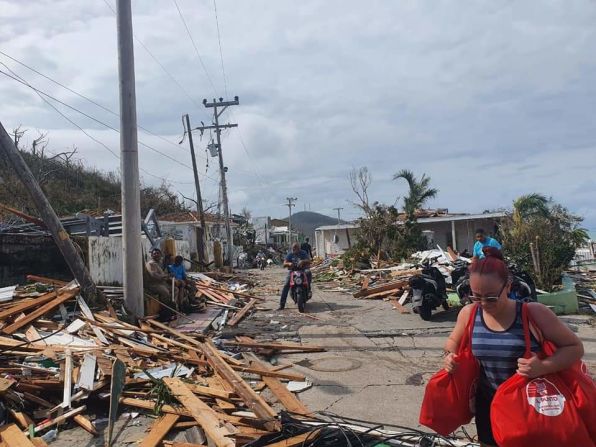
{"x": 201, "y": 412}
{"x": 209, "y": 392}
{"x": 21, "y": 418}
{"x": 159, "y": 430}
{"x": 59, "y": 419}
{"x": 283, "y": 395}
{"x": 243, "y": 390}
{"x": 240, "y": 315}
{"x": 87, "y": 374}
{"x": 44, "y": 280}
{"x": 86, "y": 424}
{"x": 14, "y": 437}
{"x": 61, "y": 298}
{"x": 150, "y": 405}
{"x": 269, "y": 373}
{"x": 394, "y": 285}
{"x": 27, "y": 304}
{"x": 404, "y": 297}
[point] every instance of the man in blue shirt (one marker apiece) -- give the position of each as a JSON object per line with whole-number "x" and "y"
{"x": 301, "y": 259}
{"x": 482, "y": 240}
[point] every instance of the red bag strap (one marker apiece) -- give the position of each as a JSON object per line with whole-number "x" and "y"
{"x": 465, "y": 341}
{"x": 526, "y": 329}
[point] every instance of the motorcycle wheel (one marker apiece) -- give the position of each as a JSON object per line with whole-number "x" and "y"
{"x": 300, "y": 300}
{"x": 426, "y": 310}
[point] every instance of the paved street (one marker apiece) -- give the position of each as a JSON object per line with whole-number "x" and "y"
{"x": 377, "y": 360}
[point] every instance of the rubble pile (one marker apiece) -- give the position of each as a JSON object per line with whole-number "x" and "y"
{"x": 58, "y": 358}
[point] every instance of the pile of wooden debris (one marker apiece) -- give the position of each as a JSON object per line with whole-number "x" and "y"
{"x": 54, "y": 367}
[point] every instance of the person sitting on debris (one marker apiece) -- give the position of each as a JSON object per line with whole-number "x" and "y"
{"x": 307, "y": 247}
{"x": 158, "y": 282}
{"x": 185, "y": 286}
{"x": 482, "y": 241}
{"x": 302, "y": 260}
{"x": 498, "y": 328}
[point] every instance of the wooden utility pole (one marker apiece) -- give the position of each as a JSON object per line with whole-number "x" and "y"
{"x": 10, "y": 152}
{"x": 222, "y": 106}
{"x": 132, "y": 257}
{"x": 198, "y": 189}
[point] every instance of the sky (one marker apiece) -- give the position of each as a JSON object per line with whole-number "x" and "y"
{"x": 491, "y": 99}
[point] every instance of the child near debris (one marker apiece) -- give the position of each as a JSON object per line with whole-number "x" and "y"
{"x": 498, "y": 338}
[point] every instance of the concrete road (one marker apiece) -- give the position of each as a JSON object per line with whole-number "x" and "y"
{"x": 377, "y": 360}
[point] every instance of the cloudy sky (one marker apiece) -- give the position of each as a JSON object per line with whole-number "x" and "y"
{"x": 490, "y": 99}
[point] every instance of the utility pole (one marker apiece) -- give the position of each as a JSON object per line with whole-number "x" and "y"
{"x": 9, "y": 151}
{"x": 222, "y": 106}
{"x": 338, "y": 215}
{"x": 129, "y": 165}
{"x": 290, "y": 204}
{"x": 198, "y": 189}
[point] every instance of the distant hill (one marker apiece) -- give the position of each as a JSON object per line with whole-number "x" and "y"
{"x": 306, "y": 222}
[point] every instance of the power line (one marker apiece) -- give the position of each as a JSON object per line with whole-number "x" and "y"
{"x": 41, "y": 92}
{"x": 86, "y": 98}
{"x": 101, "y": 143}
{"x": 194, "y": 45}
{"x": 180, "y": 86}
{"x": 223, "y": 70}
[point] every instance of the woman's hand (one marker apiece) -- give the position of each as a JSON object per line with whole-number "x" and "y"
{"x": 531, "y": 368}
{"x": 450, "y": 363}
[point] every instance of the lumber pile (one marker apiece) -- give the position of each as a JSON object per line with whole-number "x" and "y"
{"x": 58, "y": 358}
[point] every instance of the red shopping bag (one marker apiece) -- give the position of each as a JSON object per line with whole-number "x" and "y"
{"x": 578, "y": 380}
{"x": 540, "y": 411}
{"x": 449, "y": 398}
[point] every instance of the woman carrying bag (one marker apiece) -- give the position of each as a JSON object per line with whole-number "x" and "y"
{"x": 497, "y": 338}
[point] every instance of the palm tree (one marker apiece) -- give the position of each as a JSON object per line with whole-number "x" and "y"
{"x": 531, "y": 205}
{"x": 419, "y": 193}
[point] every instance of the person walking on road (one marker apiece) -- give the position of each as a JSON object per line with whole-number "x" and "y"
{"x": 498, "y": 341}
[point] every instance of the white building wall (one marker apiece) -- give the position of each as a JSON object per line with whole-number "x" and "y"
{"x": 105, "y": 257}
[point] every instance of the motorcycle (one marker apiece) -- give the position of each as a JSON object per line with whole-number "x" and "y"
{"x": 522, "y": 286}
{"x": 429, "y": 290}
{"x": 299, "y": 287}
{"x": 261, "y": 262}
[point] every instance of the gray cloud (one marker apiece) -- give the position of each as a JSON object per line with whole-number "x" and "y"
{"x": 491, "y": 99}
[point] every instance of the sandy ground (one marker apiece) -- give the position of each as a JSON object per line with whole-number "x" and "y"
{"x": 376, "y": 363}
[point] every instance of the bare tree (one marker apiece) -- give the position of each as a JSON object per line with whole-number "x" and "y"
{"x": 360, "y": 180}
{"x": 246, "y": 213}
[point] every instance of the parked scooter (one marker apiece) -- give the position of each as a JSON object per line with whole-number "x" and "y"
{"x": 299, "y": 287}
{"x": 429, "y": 290}
{"x": 522, "y": 286}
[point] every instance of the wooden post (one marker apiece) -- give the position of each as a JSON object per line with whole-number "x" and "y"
{"x": 76, "y": 265}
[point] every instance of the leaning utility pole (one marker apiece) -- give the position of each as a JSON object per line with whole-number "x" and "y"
{"x": 222, "y": 170}
{"x": 129, "y": 165}
{"x": 9, "y": 152}
{"x": 338, "y": 215}
{"x": 290, "y": 204}
{"x": 198, "y": 189}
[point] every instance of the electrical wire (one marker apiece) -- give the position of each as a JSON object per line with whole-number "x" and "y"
{"x": 223, "y": 70}
{"x": 140, "y": 42}
{"x": 15, "y": 78}
{"x": 194, "y": 46}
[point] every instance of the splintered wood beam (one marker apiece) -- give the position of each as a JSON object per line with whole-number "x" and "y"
{"x": 283, "y": 395}
{"x": 252, "y": 400}
{"x": 201, "y": 412}
{"x": 240, "y": 315}
{"x": 159, "y": 430}
{"x": 61, "y": 298}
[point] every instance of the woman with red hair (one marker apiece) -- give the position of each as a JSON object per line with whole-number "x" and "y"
{"x": 498, "y": 338}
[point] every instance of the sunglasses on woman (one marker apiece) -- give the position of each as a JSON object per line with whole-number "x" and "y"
{"x": 489, "y": 299}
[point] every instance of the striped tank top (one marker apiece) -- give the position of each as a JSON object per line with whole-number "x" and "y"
{"x": 498, "y": 351}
